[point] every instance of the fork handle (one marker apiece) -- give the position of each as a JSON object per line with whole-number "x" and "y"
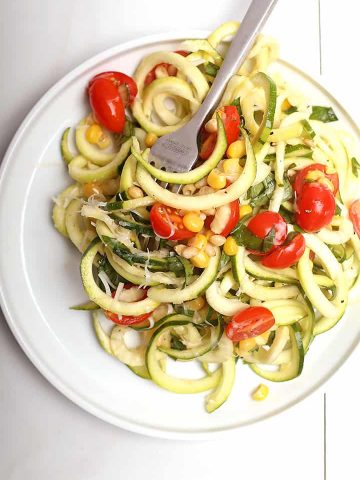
{"x": 241, "y": 44}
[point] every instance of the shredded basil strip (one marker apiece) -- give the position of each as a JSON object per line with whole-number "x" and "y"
{"x": 236, "y": 103}
{"x": 309, "y": 131}
{"x": 287, "y": 216}
{"x": 323, "y": 114}
{"x": 288, "y": 190}
{"x": 355, "y": 166}
{"x": 114, "y": 277}
{"x": 155, "y": 264}
{"x": 127, "y": 133}
{"x": 261, "y": 195}
{"x": 211, "y": 69}
{"x": 133, "y": 225}
{"x": 176, "y": 343}
{"x": 269, "y": 240}
{"x": 244, "y": 237}
{"x": 290, "y": 110}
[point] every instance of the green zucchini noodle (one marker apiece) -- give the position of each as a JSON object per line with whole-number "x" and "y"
{"x": 182, "y": 294}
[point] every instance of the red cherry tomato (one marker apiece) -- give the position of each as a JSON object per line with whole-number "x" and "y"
{"x": 231, "y": 119}
{"x": 172, "y": 71}
{"x": 287, "y": 254}
{"x": 354, "y": 213}
{"x": 167, "y": 223}
{"x": 248, "y": 323}
{"x": 207, "y": 146}
{"x": 126, "y": 85}
{"x": 263, "y": 223}
{"x": 315, "y": 207}
{"x": 184, "y": 53}
{"x": 127, "y": 319}
{"x": 233, "y": 218}
{"x": 231, "y": 122}
{"x": 322, "y": 170}
{"x": 107, "y": 104}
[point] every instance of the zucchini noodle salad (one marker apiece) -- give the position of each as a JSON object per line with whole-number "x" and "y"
{"x": 257, "y": 253}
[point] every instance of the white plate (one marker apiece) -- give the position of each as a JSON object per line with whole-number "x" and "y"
{"x": 39, "y": 278}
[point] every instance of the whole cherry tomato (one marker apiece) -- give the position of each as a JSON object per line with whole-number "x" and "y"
{"x": 107, "y": 104}
{"x": 248, "y": 323}
{"x": 287, "y": 254}
{"x": 315, "y": 207}
{"x": 167, "y": 223}
{"x": 319, "y": 173}
{"x": 263, "y": 223}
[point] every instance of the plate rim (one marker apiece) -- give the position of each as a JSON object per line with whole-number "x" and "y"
{"x": 30, "y": 351}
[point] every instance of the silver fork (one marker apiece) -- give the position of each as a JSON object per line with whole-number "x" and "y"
{"x": 178, "y": 151}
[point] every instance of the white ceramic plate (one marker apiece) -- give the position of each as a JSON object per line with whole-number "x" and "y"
{"x": 39, "y": 279}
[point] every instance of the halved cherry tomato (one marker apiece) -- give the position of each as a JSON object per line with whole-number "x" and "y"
{"x": 172, "y": 71}
{"x": 232, "y": 219}
{"x": 127, "y": 319}
{"x": 184, "y": 53}
{"x": 126, "y": 85}
{"x": 248, "y": 323}
{"x": 287, "y": 254}
{"x": 107, "y": 104}
{"x": 167, "y": 223}
{"x": 207, "y": 145}
{"x": 304, "y": 176}
{"x": 354, "y": 213}
{"x": 315, "y": 207}
{"x": 231, "y": 122}
{"x": 231, "y": 119}
{"x": 263, "y": 223}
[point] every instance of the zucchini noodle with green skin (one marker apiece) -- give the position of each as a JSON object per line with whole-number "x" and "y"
{"x": 185, "y": 293}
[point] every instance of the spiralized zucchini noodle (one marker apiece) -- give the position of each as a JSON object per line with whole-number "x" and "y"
{"x": 185, "y": 297}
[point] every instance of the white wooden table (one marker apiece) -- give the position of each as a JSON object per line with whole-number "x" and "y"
{"x": 42, "y": 434}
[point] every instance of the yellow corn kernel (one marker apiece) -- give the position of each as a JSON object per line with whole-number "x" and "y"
{"x": 285, "y": 105}
{"x": 193, "y": 222}
{"x": 104, "y": 141}
{"x": 200, "y": 260}
{"x": 91, "y": 188}
{"x": 196, "y": 304}
{"x": 150, "y": 139}
{"x": 230, "y": 247}
{"x": 199, "y": 241}
{"x": 232, "y": 165}
{"x": 216, "y": 179}
{"x": 236, "y": 149}
{"x": 244, "y": 210}
{"x": 260, "y": 393}
{"x": 246, "y": 345}
{"x": 94, "y": 133}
